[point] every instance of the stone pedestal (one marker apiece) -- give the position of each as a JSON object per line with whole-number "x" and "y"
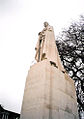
{"x": 49, "y": 93}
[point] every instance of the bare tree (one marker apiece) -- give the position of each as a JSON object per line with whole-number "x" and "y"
{"x": 71, "y": 49}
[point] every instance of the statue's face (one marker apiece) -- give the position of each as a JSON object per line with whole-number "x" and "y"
{"x": 45, "y": 24}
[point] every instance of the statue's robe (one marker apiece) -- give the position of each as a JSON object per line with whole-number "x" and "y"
{"x": 46, "y": 47}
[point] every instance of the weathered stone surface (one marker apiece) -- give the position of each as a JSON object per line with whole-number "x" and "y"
{"x": 48, "y": 94}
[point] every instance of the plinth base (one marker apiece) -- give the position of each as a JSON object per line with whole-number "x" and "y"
{"x": 49, "y": 94}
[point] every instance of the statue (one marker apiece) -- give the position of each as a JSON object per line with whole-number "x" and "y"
{"x": 41, "y": 48}
{"x": 49, "y": 92}
{"x": 46, "y": 47}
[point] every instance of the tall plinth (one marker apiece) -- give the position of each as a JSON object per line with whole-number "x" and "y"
{"x": 49, "y": 92}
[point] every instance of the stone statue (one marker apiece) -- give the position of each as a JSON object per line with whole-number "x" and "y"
{"x": 46, "y": 46}
{"x": 49, "y": 92}
{"x": 41, "y": 47}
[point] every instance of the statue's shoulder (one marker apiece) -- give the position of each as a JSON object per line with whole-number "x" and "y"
{"x": 47, "y": 27}
{"x": 50, "y": 28}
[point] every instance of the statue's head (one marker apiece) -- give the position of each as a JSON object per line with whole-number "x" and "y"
{"x": 46, "y": 24}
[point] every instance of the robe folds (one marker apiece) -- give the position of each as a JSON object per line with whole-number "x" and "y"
{"x": 46, "y": 47}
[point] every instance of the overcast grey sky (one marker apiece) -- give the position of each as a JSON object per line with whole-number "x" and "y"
{"x": 20, "y": 22}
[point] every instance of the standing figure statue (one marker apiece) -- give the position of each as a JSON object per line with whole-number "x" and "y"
{"x": 41, "y": 47}
{"x": 46, "y": 47}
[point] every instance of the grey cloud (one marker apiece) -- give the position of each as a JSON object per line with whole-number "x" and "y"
{"x": 5, "y": 2}
{"x": 8, "y": 5}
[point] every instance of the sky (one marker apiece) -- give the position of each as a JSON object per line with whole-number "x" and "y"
{"x": 20, "y": 22}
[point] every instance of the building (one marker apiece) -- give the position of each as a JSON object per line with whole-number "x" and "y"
{"x": 6, "y": 114}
